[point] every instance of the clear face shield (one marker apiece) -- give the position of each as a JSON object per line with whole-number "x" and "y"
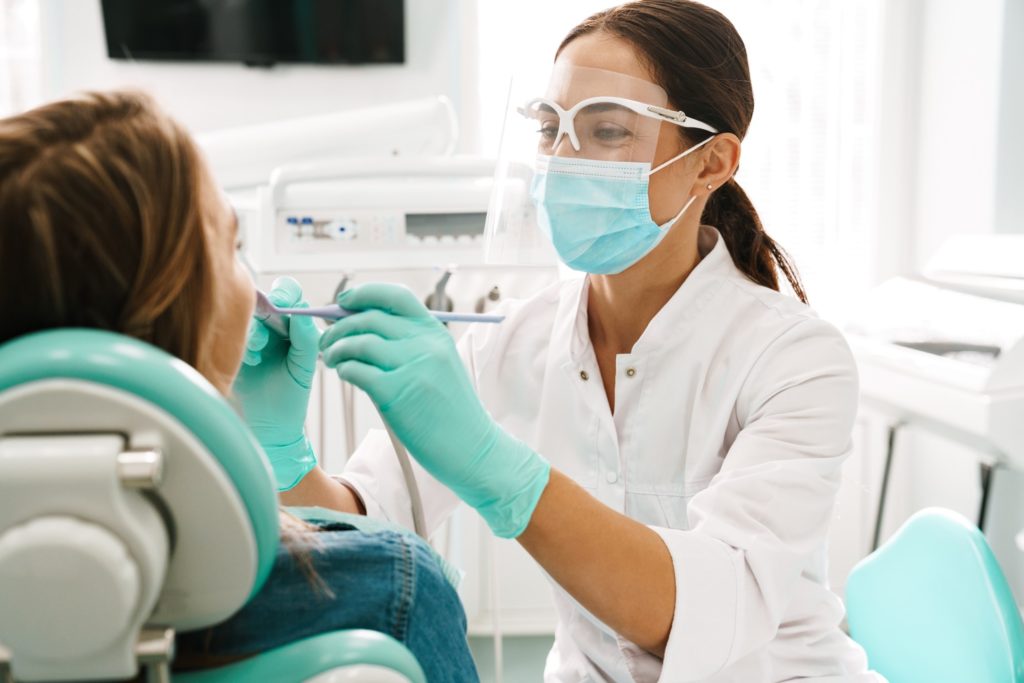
{"x": 603, "y": 122}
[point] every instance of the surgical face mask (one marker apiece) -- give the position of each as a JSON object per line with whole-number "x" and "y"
{"x": 597, "y": 213}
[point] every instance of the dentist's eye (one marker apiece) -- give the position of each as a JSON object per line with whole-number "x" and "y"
{"x": 611, "y": 133}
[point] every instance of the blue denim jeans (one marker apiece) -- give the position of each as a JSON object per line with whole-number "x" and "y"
{"x": 383, "y": 580}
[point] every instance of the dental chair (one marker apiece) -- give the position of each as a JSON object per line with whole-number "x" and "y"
{"x": 932, "y": 605}
{"x": 134, "y": 503}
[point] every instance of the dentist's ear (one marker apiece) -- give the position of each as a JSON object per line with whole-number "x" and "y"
{"x": 721, "y": 159}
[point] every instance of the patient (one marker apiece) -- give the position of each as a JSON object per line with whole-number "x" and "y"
{"x": 110, "y": 219}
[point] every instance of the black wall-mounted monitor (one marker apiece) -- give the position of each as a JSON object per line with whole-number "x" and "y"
{"x": 257, "y": 32}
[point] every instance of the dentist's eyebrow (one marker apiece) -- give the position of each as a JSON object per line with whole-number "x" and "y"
{"x": 601, "y": 107}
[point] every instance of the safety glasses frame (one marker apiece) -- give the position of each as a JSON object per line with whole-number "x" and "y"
{"x": 568, "y": 116}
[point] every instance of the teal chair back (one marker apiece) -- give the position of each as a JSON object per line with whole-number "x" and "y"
{"x": 127, "y": 364}
{"x": 48, "y": 363}
{"x": 932, "y": 605}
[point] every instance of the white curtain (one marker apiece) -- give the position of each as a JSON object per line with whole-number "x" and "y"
{"x": 20, "y": 64}
{"x": 811, "y": 157}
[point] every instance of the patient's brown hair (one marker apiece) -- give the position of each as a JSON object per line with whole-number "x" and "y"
{"x": 101, "y": 224}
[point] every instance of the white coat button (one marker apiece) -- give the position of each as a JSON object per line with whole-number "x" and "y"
{"x": 611, "y": 477}
{"x": 630, "y": 372}
{"x": 584, "y": 376}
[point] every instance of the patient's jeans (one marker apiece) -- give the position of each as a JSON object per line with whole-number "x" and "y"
{"x": 384, "y": 580}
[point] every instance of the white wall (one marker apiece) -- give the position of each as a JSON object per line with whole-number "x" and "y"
{"x": 211, "y": 96}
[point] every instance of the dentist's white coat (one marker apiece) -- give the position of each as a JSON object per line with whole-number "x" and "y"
{"x": 733, "y": 415}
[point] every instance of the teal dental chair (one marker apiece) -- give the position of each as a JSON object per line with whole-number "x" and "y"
{"x": 931, "y": 605}
{"x": 134, "y": 503}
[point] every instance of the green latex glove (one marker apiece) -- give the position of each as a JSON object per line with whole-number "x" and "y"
{"x": 273, "y": 386}
{"x": 400, "y": 355}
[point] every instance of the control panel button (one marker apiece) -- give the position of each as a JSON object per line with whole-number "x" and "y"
{"x": 341, "y": 230}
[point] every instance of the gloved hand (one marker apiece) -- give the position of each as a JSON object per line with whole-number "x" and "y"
{"x": 273, "y": 386}
{"x": 401, "y": 356}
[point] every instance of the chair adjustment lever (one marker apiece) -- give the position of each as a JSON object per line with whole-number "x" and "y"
{"x": 154, "y": 651}
{"x": 140, "y": 469}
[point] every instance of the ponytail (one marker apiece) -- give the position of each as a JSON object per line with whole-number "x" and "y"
{"x": 753, "y": 251}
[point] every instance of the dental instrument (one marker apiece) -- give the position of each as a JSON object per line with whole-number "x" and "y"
{"x": 271, "y": 314}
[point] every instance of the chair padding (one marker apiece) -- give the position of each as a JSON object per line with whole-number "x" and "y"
{"x": 932, "y": 605}
{"x": 306, "y": 658}
{"x": 169, "y": 384}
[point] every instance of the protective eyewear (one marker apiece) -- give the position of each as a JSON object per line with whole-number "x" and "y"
{"x": 597, "y": 126}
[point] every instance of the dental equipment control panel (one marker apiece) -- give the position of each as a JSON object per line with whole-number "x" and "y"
{"x": 380, "y": 229}
{"x": 360, "y": 214}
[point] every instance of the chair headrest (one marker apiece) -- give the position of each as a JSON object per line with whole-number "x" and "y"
{"x": 167, "y": 383}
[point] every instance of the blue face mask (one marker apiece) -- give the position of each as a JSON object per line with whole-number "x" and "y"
{"x": 597, "y": 213}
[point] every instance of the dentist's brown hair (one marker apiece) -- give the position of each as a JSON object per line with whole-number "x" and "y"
{"x": 697, "y": 56}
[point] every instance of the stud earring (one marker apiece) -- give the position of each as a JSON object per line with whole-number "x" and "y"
{"x": 709, "y": 186}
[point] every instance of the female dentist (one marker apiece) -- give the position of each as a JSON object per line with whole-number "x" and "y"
{"x": 665, "y": 436}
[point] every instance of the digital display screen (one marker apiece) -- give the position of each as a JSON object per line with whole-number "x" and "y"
{"x": 257, "y": 32}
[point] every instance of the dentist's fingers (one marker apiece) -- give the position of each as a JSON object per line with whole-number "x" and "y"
{"x": 252, "y": 358}
{"x": 303, "y": 347}
{"x": 369, "y": 378}
{"x": 258, "y": 336}
{"x": 285, "y": 291}
{"x": 255, "y": 341}
{"x": 303, "y": 333}
{"x": 368, "y": 349}
{"x": 368, "y": 322}
{"x": 390, "y": 298}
